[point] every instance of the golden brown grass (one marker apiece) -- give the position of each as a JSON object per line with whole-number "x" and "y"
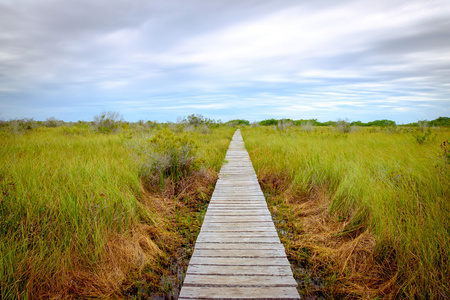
{"x": 325, "y": 262}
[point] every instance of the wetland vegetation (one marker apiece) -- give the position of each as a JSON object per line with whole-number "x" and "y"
{"x": 362, "y": 213}
{"x": 103, "y": 210}
{"x": 111, "y": 209}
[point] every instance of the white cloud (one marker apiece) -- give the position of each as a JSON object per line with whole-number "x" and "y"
{"x": 275, "y": 57}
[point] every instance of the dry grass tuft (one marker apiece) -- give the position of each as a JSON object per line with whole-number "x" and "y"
{"x": 123, "y": 255}
{"x": 146, "y": 254}
{"x": 178, "y": 214}
{"x": 326, "y": 262}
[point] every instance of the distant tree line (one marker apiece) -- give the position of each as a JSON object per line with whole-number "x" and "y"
{"x": 111, "y": 121}
{"x": 441, "y": 121}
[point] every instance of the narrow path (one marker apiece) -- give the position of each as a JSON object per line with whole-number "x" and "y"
{"x": 238, "y": 254}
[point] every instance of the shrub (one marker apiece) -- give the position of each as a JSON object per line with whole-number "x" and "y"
{"x": 204, "y": 129}
{"x": 237, "y": 122}
{"x": 196, "y": 120}
{"x": 441, "y": 121}
{"x": 108, "y": 122}
{"x": 424, "y": 135}
{"x": 308, "y": 126}
{"x": 284, "y": 124}
{"x": 151, "y": 124}
{"x": 52, "y": 122}
{"x": 381, "y": 123}
{"x": 168, "y": 155}
{"x": 343, "y": 126}
{"x": 23, "y": 125}
{"x": 268, "y": 122}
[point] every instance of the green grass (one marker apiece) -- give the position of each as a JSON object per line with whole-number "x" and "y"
{"x": 383, "y": 181}
{"x": 68, "y": 197}
{"x": 80, "y": 218}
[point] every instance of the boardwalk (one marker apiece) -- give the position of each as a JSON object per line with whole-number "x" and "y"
{"x": 238, "y": 254}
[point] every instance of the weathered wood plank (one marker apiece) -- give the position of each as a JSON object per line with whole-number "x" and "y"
{"x": 239, "y": 224}
{"x": 239, "y": 229}
{"x": 239, "y": 280}
{"x": 240, "y": 270}
{"x": 237, "y": 246}
{"x": 241, "y": 219}
{"x": 239, "y": 261}
{"x": 227, "y": 234}
{"x": 236, "y": 206}
{"x": 250, "y": 240}
{"x": 238, "y": 254}
{"x": 216, "y": 293}
{"x": 226, "y": 212}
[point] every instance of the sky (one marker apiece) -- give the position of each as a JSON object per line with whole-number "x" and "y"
{"x": 160, "y": 60}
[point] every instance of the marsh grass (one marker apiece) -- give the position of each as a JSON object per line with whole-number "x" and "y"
{"x": 76, "y": 220}
{"x": 366, "y": 212}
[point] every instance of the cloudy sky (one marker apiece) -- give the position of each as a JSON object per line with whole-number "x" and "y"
{"x": 226, "y": 59}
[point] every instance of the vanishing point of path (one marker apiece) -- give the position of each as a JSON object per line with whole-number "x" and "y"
{"x": 238, "y": 254}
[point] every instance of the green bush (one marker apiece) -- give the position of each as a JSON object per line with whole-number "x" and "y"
{"x": 441, "y": 121}
{"x": 268, "y": 122}
{"x": 169, "y": 155}
{"x": 237, "y": 122}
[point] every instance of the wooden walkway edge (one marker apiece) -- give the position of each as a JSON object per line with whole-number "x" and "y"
{"x": 238, "y": 254}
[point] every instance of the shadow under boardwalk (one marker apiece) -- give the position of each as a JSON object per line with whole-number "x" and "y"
{"x": 238, "y": 254}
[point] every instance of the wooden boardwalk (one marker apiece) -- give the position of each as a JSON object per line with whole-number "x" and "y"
{"x": 238, "y": 254}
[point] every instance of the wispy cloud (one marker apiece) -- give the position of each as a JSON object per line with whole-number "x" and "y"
{"x": 225, "y": 59}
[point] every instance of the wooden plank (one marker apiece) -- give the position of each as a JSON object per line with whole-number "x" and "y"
{"x": 240, "y": 270}
{"x": 235, "y": 209}
{"x": 235, "y": 206}
{"x": 250, "y": 240}
{"x": 228, "y": 234}
{"x": 240, "y": 252}
{"x": 216, "y": 293}
{"x": 231, "y": 199}
{"x": 248, "y": 205}
{"x": 238, "y": 229}
{"x": 257, "y": 204}
{"x": 237, "y": 246}
{"x": 238, "y": 224}
{"x": 239, "y": 280}
{"x": 239, "y": 261}
{"x": 233, "y": 219}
